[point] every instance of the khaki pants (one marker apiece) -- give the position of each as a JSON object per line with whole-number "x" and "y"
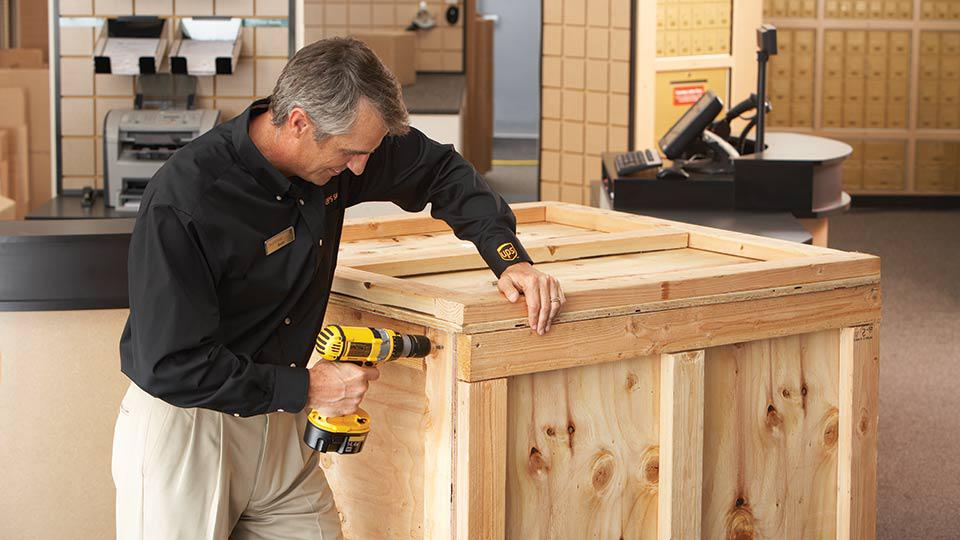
{"x": 201, "y": 474}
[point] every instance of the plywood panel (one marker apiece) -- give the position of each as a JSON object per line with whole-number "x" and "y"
{"x": 582, "y": 457}
{"x": 770, "y": 438}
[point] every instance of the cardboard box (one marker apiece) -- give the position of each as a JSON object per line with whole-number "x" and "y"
{"x": 21, "y": 58}
{"x": 396, "y": 49}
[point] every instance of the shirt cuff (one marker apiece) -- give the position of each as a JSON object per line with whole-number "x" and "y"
{"x": 503, "y": 252}
{"x": 289, "y": 390}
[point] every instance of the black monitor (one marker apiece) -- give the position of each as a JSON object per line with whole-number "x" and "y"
{"x": 691, "y": 125}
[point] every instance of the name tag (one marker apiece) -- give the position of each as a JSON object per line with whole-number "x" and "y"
{"x": 277, "y": 241}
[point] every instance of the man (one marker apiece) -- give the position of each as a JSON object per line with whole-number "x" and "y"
{"x": 222, "y": 322}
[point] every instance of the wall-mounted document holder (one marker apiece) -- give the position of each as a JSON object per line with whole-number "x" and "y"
{"x": 207, "y": 46}
{"x": 131, "y": 46}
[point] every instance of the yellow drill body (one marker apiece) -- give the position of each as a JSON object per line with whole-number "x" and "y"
{"x": 366, "y": 347}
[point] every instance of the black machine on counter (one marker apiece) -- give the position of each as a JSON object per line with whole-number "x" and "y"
{"x": 138, "y": 141}
{"x": 708, "y": 168}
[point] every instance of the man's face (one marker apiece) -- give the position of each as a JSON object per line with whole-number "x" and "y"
{"x": 319, "y": 161}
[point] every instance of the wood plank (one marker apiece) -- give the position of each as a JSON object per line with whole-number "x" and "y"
{"x": 595, "y": 218}
{"x": 461, "y": 257}
{"x": 439, "y": 450}
{"x": 392, "y": 291}
{"x": 582, "y": 456}
{"x": 681, "y": 445}
{"x": 481, "y": 460}
{"x": 770, "y": 438}
{"x": 400, "y": 225}
{"x": 700, "y": 282}
{"x": 857, "y": 473}
{"x": 512, "y": 352}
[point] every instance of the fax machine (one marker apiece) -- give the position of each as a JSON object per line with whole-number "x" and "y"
{"x": 138, "y": 141}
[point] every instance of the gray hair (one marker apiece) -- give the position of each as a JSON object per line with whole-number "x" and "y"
{"x": 328, "y": 78}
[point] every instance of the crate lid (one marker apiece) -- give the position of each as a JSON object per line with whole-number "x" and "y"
{"x": 609, "y": 264}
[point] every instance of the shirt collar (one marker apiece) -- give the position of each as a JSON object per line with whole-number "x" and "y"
{"x": 266, "y": 174}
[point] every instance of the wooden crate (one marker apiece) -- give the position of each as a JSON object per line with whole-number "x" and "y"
{"x": 699, "y": 384}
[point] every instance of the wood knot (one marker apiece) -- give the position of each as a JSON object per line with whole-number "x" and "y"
{"x": 367, "y": 285}
{"x": 650, "y": 466}
{"x": 773, "y": 417}
{"x": 571, "y": 428}
{"x": 864, "y": 424}
{"x": 603, "y": 471}
{"x": 550, "y": 431}
{"x": 664, "y": 290}
{"x": 785, "y": 393}
{"x": 831, "y": 428}
{"x": 740, "y": 523}
{"x": 803, "y": 390}
{"x": 536, "y": 464}
{"x": 631, "y": 381}
{"x": 552, "y": 249}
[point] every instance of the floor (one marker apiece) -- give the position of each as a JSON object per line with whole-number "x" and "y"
{"x": 919, "y": 463}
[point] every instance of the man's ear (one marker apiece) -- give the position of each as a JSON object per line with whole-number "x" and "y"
{"x": 299, "y": 123}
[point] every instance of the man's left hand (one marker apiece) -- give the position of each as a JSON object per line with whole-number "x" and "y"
{"x": 543, "y": 293}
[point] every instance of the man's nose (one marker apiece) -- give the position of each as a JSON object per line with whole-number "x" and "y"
{"x": 358, "y": 163}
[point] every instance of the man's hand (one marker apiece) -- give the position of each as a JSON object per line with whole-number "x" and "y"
{"x": 336, "y": 388}
{"x": 543, "y": 293}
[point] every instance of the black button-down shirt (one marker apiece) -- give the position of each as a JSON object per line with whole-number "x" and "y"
{"x": 217, "y": 322}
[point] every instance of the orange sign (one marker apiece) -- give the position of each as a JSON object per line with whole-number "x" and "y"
{"x": 687, "y": 95}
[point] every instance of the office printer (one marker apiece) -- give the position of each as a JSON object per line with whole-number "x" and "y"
{"x": 138, "y": 141}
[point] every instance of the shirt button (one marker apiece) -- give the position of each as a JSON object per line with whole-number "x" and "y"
{"x": 293, "y": 365}
{"x": 320, "y": 243}
{"x": 279, "y": 410}
{"x": 279, "y": 197}
{"x": 287, "y": 321}
{"x": 237, "y": 415}
{"x": 300, "y": 201}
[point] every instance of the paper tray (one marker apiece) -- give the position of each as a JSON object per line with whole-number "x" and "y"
{"x": 208, "y": 46}
{"x": 130, "y": 46}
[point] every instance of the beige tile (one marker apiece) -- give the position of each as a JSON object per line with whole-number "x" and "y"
{"x": 153, "y": 7}
{"x": 77, "y": 182}
{"x": 620, "y": 45}
{"x": 247, "y": 41}
{"x": 617, "y": 139}
{"x": 620, "y": 13}
{"x": 574, "y": 42}
{"x": 571, "y": 193}
{"x": 76, "y": 7}
{"x": 619, "y": 109}
{"x": 573, "y": 73}
{"x": 597, "y": 76}
{"x": 76, "y": 41}
{"x": 240, "y": 83}
{"x": 312, "y": 34}
{"x": 550, "y": 103}
{"x": 234, "y": 8}
{"x": 105, "y": 105}
{"x": 573, "y": 105}
{"x": 596, "y": 139}
{"x": 336, "y": 31}
{"x": 360, "y": 15}
{"x": 77, "y": 155}
{"x": 596, "y": 108}
{"x": 403, "y": 14}
{"x": 429, "y": 61}
{"x": 76, "y": 76}
{"x": 592, "y": 169}
{"x": 620, "y": 77}
{"x": 205, "y": 86}
{"x": 313, "y": 15}
{"x": 553, "y": 12}
{"x": 273, "y": 8}
{"x": 552, "y": 71}
{"x": 430, "y": 39}
{"x": 552, "y": 40}
{"x": 194, "y": 7}
{"x": 571, "y": 169}
{"x": 383, "y": 15}
{"x": 76, "y": 116}
{"x": 272, "y": 41}
{"x": 550, "y": 134}
{"x": 268, "y": 70}
{"x": 598, "y": 44}
{"x": 112, "y": 7}
{"x": 598, "y": 13}
{"x": 574, "y": 12}
{"x": 453, "y": 39}
{"x": 550, "y": 165}
{"x": 334, "y": 15}
{"x": 549, "y": 191}
{"x": 572, "y": 137}
{"x": 231, "y": 107}
{"x": 453, "y": 60}
{"x": 114, "y": 85}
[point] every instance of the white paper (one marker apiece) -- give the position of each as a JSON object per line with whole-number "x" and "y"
{"x": 125, "y": 53}
{"x": 211, "y": 30}
{"x": 202, "y": 55}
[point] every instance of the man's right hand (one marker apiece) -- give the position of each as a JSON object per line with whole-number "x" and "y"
{"x": 336, "y": 388}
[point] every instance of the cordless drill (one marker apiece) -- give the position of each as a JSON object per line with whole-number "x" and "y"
{"x": 362, "y": 346}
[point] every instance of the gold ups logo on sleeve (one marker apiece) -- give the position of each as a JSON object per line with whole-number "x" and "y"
{"x": 507, "y": 251}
